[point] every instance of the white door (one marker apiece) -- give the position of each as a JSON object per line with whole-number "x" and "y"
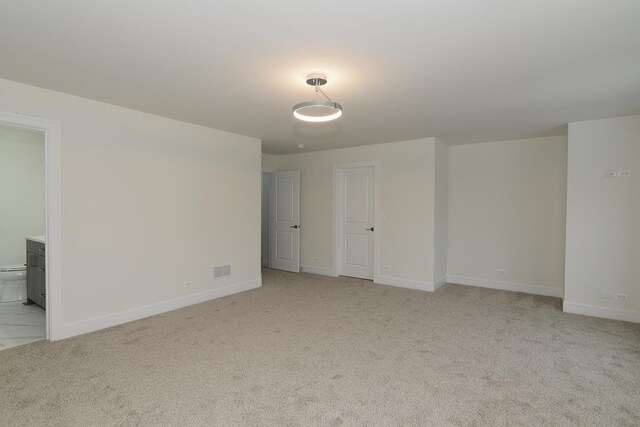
{"x": 357, "y": 222}
{"x": 284, "y": 221}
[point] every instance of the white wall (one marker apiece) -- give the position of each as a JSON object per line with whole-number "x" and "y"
{"x": 507, "y": 204}
{"x": 603, "y": 219}
{"x": 147, "y": 204}
{"x": 407, "y": 202}
{"x": 22, "y": 194}
{"x": 269, "y": 162}
{"x": 441, "y": 188}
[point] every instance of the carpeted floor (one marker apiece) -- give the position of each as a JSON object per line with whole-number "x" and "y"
{"x": 313, "y": 350}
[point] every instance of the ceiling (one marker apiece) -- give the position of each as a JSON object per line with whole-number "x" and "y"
{"x": 463, "y": 70}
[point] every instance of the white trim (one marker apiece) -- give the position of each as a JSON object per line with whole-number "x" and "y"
{"x": 439, "y": 283}
{"x": 108, "y": 320}
{"x": 404, "y": 283}
{"x": 337, "y": 169}
{"x": 506, "y": 286}
{"x": 599, "y": 311}
{"x": 53, "y": 229}
{"x": 324, "y": 271}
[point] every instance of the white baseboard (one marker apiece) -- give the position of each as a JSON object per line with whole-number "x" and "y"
{"x": 90, "y": 325}
{"x": 325, "y": 271}
{"x": 404, "y": 283}
{"x": 439, "y": 283}
{"x": 506, "y": 286}
{"x": 599, "y": 311}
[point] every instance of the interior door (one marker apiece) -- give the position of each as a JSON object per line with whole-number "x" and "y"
{"x": 357, "y": 222}
{"x": 284, "y": 219}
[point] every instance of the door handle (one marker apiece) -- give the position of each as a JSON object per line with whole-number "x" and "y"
{"x": 370, "y": 229}
{"x": 41, "y": 269}
{"x": 294, "y": 226}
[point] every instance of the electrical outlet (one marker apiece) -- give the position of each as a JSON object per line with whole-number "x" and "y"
{"x": 387, "y": 267}
{"x": 610, "y": 174}
{"x": 188, "y": 283}
{"x": 612, "y": 295}
{"x": 624, "y": 173}
{"x": 317, "y": 258}
{"x": 502, "y": 272}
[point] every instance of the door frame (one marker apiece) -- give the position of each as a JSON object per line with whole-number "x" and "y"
{"x": 338, "y": 174}
{"x": 53, "y": 218}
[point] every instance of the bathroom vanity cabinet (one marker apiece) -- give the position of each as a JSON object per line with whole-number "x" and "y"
{"x": 36, "y": 273}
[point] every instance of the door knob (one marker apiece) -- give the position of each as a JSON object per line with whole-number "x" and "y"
{"x": 293, "y": 226}
{"x": 370, "y": 229}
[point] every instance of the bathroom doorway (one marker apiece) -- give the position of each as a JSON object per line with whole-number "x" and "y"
{"x": 30, "y": 267}
{"x": 22, "y": 220}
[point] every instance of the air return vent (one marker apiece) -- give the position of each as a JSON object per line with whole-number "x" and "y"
{"x": 221, "y": 271}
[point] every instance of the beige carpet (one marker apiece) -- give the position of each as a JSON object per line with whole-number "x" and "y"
{"x": 311, "y": 350}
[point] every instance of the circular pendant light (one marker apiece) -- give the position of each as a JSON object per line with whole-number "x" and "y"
{"x": 317, "y": 111}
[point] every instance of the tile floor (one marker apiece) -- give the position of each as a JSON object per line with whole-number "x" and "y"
{"x": 21, "y": 324}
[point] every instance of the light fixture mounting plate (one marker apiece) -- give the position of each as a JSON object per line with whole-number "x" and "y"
{"x": 316, "y": 79}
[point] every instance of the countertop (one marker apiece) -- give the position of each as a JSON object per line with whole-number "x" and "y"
{"x": 40, "y": 239}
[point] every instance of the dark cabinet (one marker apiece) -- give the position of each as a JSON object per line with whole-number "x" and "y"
{"x": 36, "y": 273}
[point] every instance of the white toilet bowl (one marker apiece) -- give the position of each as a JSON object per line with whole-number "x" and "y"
{"x": 13, "y": 283}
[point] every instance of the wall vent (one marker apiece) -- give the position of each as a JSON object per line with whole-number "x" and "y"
{"x": 221, "y": 271}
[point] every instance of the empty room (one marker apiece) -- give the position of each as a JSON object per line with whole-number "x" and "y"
{"x": 335, "y": 213}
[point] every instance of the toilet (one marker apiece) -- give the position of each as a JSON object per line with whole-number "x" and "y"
{"x": 13, "y": 283}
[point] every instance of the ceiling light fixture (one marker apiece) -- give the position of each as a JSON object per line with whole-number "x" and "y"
{"x": 317, "y": 111}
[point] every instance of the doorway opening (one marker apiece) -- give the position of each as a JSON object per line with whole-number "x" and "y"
{"x": 356, "y": 219}
{"x": 264, "y": 227}
{"x": 31, "y": 244}
{"x": 22, "y": 228}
